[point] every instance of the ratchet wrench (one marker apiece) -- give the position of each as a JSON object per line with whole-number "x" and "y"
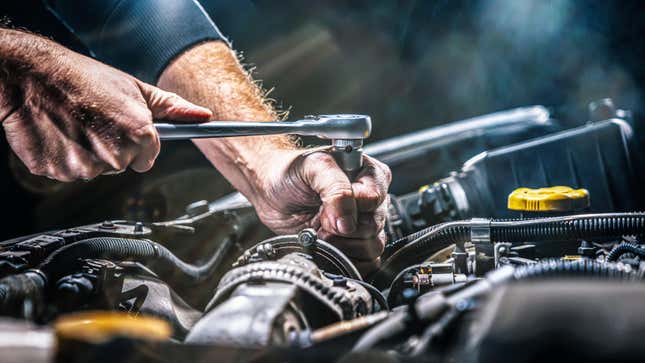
{"x": 345, "y": 131}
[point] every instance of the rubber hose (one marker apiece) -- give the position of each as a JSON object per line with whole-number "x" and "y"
{"x": 583, "y": 267}
{"x": 15, "y": 290}
{"x": 623, "y": 248}
{"x": 549, "y": 268}
{"x": 400, "y": 321}
{"x": 432, "y": 308}
{"x": 449, "y": 233}
{"x": 394, "y": 288}
{"x": 568, "y": 227}
{"x": 146, "y": 251}
{"x": 418, "y": 246}
{"x": 382, "y": 331}
{"x": 377, "y": 295}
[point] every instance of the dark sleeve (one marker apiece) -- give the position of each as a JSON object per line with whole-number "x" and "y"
{"x": 140, "y": 37}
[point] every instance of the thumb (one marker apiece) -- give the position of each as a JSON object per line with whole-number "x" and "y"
{"x": 167, "y": 105}
{"x": 339, "y": 211}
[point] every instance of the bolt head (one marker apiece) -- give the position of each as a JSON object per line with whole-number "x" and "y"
{"x": 307, "y": 237}
{"x": 107, "y": 225}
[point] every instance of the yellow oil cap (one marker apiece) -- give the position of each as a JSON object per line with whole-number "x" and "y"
{"x": 100, "y": 326}
{"x": 559, "y": 198}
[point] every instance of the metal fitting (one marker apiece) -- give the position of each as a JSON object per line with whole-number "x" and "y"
{"x": 500, "y": 250}
{"x": 307, "y": 238}
{"x": 480, "y": 230}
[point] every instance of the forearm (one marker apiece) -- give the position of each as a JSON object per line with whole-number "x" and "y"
{"x": 10, "y": 49}
{"x": 210, "y": 75}
{"x": 19, "y": 53}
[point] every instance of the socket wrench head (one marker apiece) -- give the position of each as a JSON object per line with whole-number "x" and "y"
{"x": 346, "y": 133}
{"x": 343, "y": 126}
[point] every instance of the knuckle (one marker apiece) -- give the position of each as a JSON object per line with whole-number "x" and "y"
{"x": 372, "y": 199}
{"x": 322, "y": 159}
{"x": 377, "y": 197}
{"x": 143, "y": 166}
{"x": 368, "y": 171}
{"x": 381, "y": 218}
{"x": 379, "y": 221}
{"x": 165, "y": 94}
{"x": 34, "y": 167}
{"x": 381, "y": 169}
{"x": 83, "y": 176}
{"x": 380, "y": 242}
{"x": 87, "y": 173}
{"x": 155, "y": 145}
{"x": 145, "y": 135}
{"x": 60, "y": 176}
{"x": 82, "y": 173}
{"x": 340, "y": 191}
{"x": 173, "y": 97}
{"x": 149, "y": 164}
{"x": 119, "y": 163}
{"x": 76, "y": 166}
{"x": 383, "y": 207}
{"x": 166, "y": 100}
{"x": 387, "y": 172}
{"x": 115, "y": 151}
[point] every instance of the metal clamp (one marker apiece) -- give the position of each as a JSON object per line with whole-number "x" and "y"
{"x": 480, "y": 230}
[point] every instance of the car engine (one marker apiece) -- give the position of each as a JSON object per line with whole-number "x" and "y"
{"x": 513, "y": 236}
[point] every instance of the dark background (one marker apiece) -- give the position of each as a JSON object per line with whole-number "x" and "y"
{"x": 408, "y": 64}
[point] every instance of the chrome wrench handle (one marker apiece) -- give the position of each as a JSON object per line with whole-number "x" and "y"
{"x": 346, "y": 132}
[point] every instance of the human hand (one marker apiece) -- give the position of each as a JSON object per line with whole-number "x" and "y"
{"x": 299, "y": 189}
{"x": 69, "y": 117}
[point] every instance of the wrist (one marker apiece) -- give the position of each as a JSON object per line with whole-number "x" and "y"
{"x": 259, "y": 166}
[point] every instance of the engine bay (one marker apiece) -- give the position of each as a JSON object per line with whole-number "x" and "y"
{"x": 513, "y": 236}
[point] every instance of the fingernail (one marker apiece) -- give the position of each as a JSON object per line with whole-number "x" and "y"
{"x": 345, "y": 225}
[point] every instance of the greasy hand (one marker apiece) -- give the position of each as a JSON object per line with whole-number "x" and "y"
{"x": 70, "y": 117}
{"x": 306, "y": 188}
